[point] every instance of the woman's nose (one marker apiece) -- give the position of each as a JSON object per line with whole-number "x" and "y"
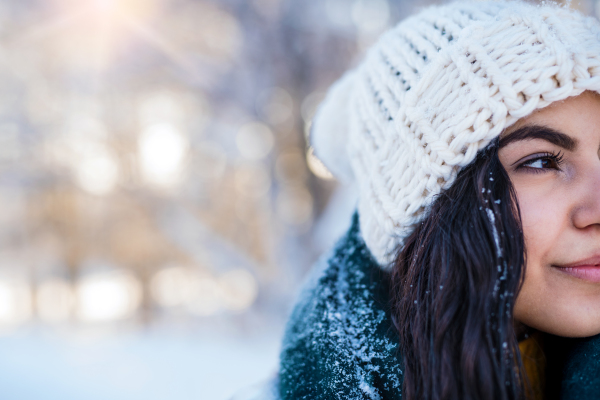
{"x": 586, "y": 213}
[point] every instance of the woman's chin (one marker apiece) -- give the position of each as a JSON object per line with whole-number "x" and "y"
{"x": 569, "y": 327}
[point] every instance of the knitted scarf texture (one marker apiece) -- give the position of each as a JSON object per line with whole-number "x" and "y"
{"x": 340, "y": 342}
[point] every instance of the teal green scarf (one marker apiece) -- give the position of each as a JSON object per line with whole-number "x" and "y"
{"x": 340, "y": 342}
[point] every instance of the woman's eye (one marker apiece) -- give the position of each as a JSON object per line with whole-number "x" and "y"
{"x": 546, "y": 162}
{"x": 539, "y": 163}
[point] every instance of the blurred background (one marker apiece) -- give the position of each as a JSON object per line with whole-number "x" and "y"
{"x": 159, "y": 206}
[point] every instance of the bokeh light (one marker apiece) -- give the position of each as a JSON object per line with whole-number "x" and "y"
{"x": 98, "y": 172}
{"x": 162, "y": 152}
{"x": 275, "y": 105}
{"x": 254, "y": 141}
{"x": 239, "y": 289}
{"x": 15, "y": 302}
{"x": 371, "y": 16}
{"x": 339, "y": 13}
{"x": 218, "y": 31}
{"x": 174, "y": 286}
{"x": 107, "y": 296}
{"x": 187, "y": 290}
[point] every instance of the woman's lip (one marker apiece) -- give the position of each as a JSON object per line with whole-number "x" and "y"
{"x": 588, "y": 269}
{"x": 590, "y": 273}
{"x": 588, "y": 262}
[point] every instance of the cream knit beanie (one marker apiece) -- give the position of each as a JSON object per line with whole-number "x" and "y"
{"x": 435, "y": 90}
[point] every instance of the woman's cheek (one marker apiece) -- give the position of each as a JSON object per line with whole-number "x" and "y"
{"x": 541, "y": 230}
{"x": 540, "y": 218}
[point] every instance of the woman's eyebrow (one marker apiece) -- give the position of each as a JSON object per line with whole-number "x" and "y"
{"x": 529, "y": 132}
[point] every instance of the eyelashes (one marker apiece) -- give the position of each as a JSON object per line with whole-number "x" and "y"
{"x": 540, "y": 163}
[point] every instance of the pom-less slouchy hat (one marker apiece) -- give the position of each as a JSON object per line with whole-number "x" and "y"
{"x": 435, "y": 90}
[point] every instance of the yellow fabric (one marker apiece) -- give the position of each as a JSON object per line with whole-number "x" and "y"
{"x": 534, "y": 363}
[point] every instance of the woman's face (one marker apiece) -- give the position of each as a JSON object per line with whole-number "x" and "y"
{"x": 553, "y": 160}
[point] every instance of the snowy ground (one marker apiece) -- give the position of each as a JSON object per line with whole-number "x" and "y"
{"x": 144, "y": 366}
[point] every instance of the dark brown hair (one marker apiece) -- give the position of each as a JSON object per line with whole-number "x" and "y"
{"x": 453, "y": 288}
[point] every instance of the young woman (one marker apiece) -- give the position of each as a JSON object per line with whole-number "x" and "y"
{"x": 472, "y": 267}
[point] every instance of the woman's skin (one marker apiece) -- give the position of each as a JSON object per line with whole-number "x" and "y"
{"x": 553, "y": 160}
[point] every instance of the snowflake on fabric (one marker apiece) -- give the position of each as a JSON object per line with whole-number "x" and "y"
{"x": 340, "y": 342}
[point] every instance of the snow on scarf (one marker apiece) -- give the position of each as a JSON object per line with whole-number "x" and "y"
{"x": 340, "y": 342}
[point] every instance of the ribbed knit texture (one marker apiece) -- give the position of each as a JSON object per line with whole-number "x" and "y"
{"x": 434, "y": 91}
